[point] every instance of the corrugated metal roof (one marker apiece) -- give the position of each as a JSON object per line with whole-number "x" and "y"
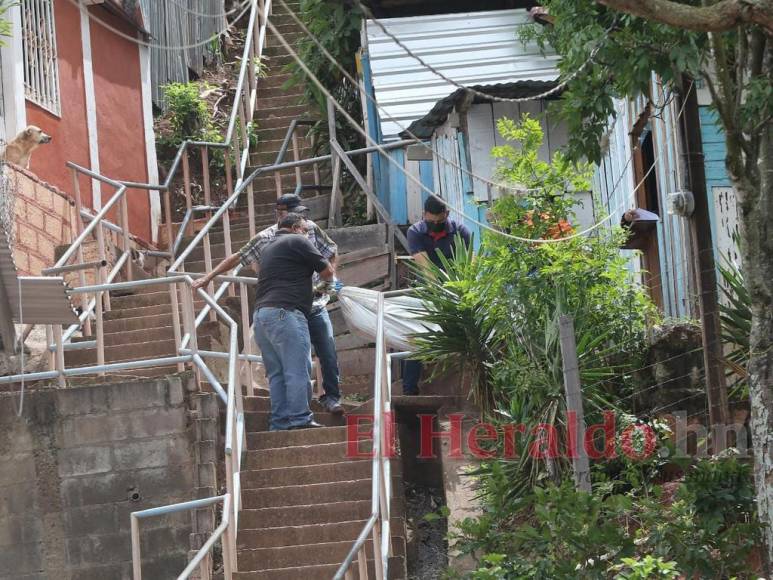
{"x": 44, "y": 299}
{"x": 425, "y": 126}
{"x": 473, "y": 48}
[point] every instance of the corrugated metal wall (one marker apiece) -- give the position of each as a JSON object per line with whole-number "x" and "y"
{"x": 676, "y": 277}
{"x": 181, "y": 23}
{"x": 471, "y": 48}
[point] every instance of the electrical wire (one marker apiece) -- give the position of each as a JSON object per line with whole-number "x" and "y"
{"x": 206, "y": 14}
{"x": 404, "y": 129}
{"x": 246, "y": 6}
{"x": 381, "y": 150}
{"x": 476, "y": 92}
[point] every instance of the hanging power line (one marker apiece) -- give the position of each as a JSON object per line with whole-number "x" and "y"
{"x": 423, "y": 187}
{"x": 207, "y": 14}
{"x": 370, "y": 98}
{"x": 245, "y": 7}
{"x": 560, "y": 86}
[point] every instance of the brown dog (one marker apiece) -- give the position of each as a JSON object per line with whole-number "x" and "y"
{"x": 20, "y": 149}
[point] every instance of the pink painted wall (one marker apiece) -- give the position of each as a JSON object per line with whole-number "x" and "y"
{"x": 118, "y": 88}
{"x": 70, "y": 131}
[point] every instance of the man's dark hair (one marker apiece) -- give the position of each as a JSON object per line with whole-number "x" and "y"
{"x": 291, "y": 220}
{"x": 434, "y": 205}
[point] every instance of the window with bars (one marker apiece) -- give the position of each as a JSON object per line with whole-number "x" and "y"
{"x": 41, "y": 68}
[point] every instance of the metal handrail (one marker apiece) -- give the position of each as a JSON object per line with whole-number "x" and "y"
{"x": 378, "y": 485}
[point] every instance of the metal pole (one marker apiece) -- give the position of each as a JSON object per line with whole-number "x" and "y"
{"x": 136, "y": 557}
{"x": 100, "y": 332}
{"x": 574, "y": 403}
{"x": 187, "y": 187}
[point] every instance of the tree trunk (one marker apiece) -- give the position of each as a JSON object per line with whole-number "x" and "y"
{"x": 756, "y": 213}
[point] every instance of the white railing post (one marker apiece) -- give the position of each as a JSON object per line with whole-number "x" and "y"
{"x": 76, "y": 188}
{"x": 136, "y": 555}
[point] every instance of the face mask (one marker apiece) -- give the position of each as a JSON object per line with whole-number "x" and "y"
{"x": 435, "y": 227}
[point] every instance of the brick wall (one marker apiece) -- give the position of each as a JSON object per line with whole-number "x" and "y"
{"x": 44, "y": 215}
{"x": 82, "y": 459}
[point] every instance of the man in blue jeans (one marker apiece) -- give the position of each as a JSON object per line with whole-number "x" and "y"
{"x": 320, "y": 327}
{"x": 428, "y": 239}
{"x": 283, "y": 303}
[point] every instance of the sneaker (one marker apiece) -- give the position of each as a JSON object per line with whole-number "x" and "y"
{"x": 309, "y": 425}
{"x": 332, "y": 406}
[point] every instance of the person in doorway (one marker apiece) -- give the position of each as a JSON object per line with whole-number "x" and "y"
{"x": 320, "y": 326}
{"x": 283, "y": 304}
{"x": 435, "y": 235}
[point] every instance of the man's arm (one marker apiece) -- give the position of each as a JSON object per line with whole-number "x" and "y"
{"x": 226, "y": 265}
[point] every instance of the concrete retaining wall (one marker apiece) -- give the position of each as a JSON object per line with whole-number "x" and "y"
{"x": 80, "y": 460}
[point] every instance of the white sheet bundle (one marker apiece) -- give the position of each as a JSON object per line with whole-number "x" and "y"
{"x": 401, "y": 316}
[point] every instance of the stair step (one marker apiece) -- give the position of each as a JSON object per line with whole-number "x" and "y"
{"x": 318, "y": 513}
{"x": 258, "y": 421}
{"x": 117, "y": 325}
{"x": 300, "y": 535}
{"x": 304, "y": 555}
{"x": 299, "y": 437}
{"x": 140, "y": 300}
{"x": 320, "y": 473}
{"x": 299, "y": 455}
{"x": 120, "y": 353}
{"x": 396, "y": 572}
{"x": 306, "y": 494}
{"x": 145, "y": 311}
{"x": 116, "y": 338}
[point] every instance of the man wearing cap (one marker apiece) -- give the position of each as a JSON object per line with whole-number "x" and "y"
{"x": 435, "y": 235}
{"x": 283, "y": 303}
{"x": 320, "y": 327}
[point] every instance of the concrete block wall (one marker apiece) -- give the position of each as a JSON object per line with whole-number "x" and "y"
{"x": 43, "y": 218}
{"x": 81, "y": 459}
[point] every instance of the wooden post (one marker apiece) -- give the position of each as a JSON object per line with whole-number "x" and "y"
{"x": 575, "y": 416}
{"x": 335, "y": 192}
{"x": 296, "y": 157}
{"x": 126, "y": 244}
{"x": 334, "y": 211}
{"x": 59, "y": 352}
{"x": 246, "y": 335}
{"x": 187, "y": 186}
{"x": 100, "y": 330}
{"x": 705, "y": 266}
{"x": 76, "y": 188}
{"x": 227, "y": 217}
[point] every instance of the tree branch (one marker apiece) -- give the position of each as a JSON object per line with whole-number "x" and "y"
{"x": 724, "y": 15}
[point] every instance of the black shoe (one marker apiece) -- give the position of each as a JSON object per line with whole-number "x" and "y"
{"x": 309, "y": 425}
{"x": 410, "y": 392}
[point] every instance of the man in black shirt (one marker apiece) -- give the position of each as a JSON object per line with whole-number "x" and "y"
{"x": 284, "y": 299}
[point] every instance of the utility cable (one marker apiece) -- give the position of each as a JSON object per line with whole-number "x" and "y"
{"x": 560, "y": 86}
{"x": 413, "y": 179}
{"x": 246, "y": 6}
{"x": 404, "y": 129}
{"x": 207, "y": 14}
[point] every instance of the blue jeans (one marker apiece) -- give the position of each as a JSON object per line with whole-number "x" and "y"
{"x": 283, "y": 338}
{"x": 411, "y": 376}
{"x": 321, "y": 332}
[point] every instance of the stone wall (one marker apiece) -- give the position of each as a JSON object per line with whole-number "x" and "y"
{"x": 81, "y": 459}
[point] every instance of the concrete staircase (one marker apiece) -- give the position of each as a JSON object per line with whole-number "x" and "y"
{"x": 306, "y": 501}
{"x": 277, "y": 107}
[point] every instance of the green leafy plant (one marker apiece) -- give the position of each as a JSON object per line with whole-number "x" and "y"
{"x": 499, "y": 311}
{"x": 6, "y": 28}
{"x": 337, "y": 26}
{"x": 644, "y": 569}
{"x": 735, "y": 314}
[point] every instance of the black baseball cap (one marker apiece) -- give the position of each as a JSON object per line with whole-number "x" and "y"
{"x": 290, "y": 202}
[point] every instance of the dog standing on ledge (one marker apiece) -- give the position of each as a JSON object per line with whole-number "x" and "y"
{"x": 20, "y": 149}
